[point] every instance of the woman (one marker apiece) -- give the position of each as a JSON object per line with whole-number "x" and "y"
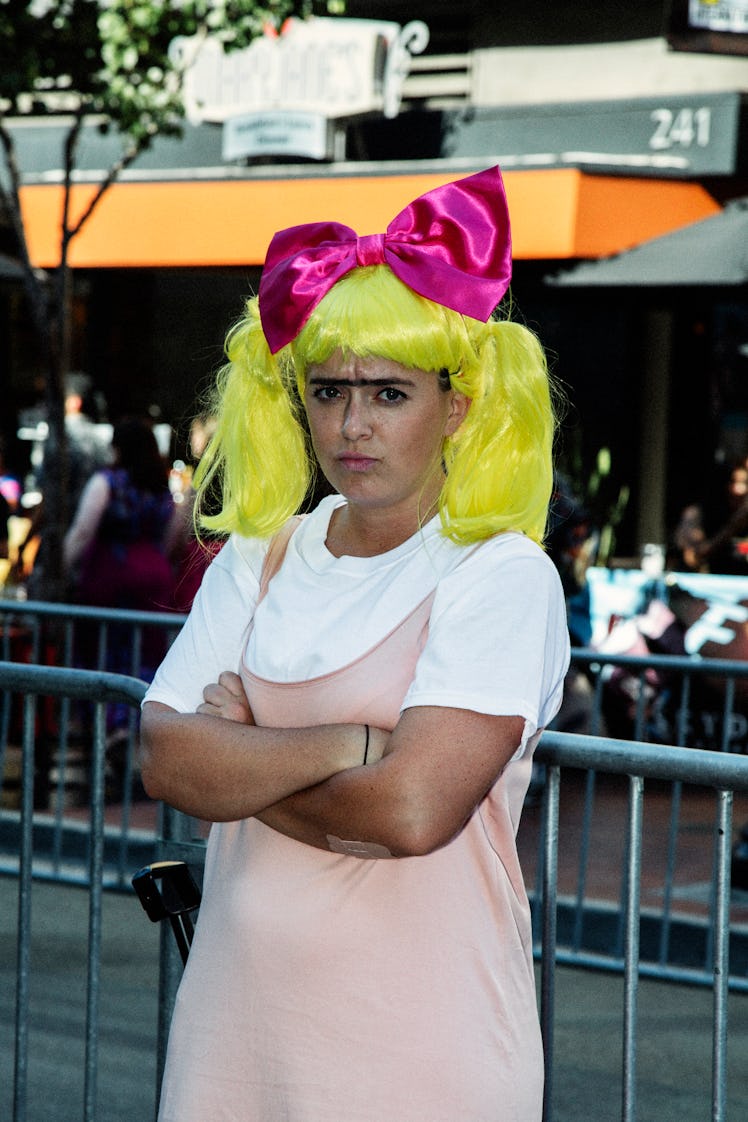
{"x": 114, "y": 550}
{"x": 114, "y": 546}
{"x": 363, "y": 949}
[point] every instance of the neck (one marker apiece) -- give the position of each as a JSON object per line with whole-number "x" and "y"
{"x": 366, "y": 532}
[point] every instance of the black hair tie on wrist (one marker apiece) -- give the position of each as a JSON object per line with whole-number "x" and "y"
{"x": 366, "y": 746}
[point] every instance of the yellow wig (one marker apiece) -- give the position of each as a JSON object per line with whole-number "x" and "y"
{"x": 499, "y": 462}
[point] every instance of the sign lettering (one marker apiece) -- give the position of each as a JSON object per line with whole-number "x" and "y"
{"x": 336, "y": 67}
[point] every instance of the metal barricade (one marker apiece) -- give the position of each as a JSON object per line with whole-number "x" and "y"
{"x": 636, "y": 765}
{"x": 685, "y": 700}
{"x": 724, "y": 775}
{"x": 29, "y": 849}
{"x": 102, "y": 639}
{"x": 661, "y": 693}
{"x": 724, "y": 942}
{"x": 114, "y": 639}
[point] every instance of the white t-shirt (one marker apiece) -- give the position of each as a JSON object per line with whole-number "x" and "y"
{"x": 497, "y": 637}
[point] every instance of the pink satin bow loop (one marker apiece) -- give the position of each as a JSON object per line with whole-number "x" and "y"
{"x": 451, "y": 245}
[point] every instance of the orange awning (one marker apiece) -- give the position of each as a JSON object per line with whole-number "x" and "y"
{"x": 556, "y": 213}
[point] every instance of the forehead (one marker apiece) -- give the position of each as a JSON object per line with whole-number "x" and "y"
{"x": 355, "y": 368}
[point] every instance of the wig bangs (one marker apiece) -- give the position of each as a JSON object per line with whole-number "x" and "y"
{"x": 369, "y": 312}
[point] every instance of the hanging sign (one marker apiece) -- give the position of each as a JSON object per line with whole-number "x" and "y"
{"x": 333, "y": 67}
{"x": 277, "y": 133}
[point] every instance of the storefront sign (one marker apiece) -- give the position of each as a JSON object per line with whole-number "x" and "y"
{"x": 687, "y": 135}
{"x": 333, "y": 67}
{"x": 708, "y": 26}
{"x": 719, "y": 15}
{"x": 276, "y": 133}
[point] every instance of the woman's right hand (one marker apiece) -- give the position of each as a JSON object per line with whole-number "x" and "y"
{"x": 226, "y": 698}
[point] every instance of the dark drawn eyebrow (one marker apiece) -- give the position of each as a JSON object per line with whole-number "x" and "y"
{"x": 355, "y": 382}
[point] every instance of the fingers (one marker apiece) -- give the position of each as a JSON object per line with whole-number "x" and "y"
{"x": 216, "y": 695}
{"x": 226, "y": 698}
{"x": 231, "y": 682}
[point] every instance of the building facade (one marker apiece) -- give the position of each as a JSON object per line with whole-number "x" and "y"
{"x": 607, "y": 137}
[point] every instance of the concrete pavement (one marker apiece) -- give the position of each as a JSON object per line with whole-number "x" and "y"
{"x": 129, "y": 974}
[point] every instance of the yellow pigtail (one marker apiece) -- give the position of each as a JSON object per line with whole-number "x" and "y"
{"x": 257, "y": 456}
{"x": 499, "y": 462}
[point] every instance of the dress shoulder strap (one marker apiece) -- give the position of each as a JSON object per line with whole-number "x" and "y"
{"x": 276, "y": 552}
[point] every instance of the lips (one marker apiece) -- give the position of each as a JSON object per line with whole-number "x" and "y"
{"x": 354, "y": 461}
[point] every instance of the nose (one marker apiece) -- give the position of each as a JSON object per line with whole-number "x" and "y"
{"x": 356, "y": 424}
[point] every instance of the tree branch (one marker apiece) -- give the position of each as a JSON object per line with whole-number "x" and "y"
{"x": 11, "y": 198}
{"x": 127, "y": 158}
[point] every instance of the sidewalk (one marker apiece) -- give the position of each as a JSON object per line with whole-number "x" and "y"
{"x": 128, "y": 1007}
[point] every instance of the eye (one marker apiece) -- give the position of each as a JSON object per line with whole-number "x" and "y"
{"x": 391, "y": 394}
{"x": 326, "y": 393}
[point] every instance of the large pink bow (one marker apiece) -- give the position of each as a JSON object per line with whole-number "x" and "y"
{"x": 451, "y": 245}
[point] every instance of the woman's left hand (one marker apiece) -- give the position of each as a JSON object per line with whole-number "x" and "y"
{"x": 226, "y": 698}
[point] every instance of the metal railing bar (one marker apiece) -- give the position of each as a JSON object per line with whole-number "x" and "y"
{"x": 101, "y": 648}
{"x": 640, "y": 732}
{"x": 670, "y": 861}
{"x": 631, "y": 967}
{"x": 23, "y": 952}
{"x": 51, "y": 610}
{"x": 721, "y": 956}
{"x": 71, "y": 681}
{"x": 96, "y": 869}
{"x": 597, "y": 703}
{"x": 650, "y": 761}
{"x": 679, "y": 975}
{"x": 684, "y": 709}
{"x": 549, "y": 920}
{"x": 534, "y": 899}
{"x": 727, "y": 712}
{"x": 63, "y": 740}
{"x": 688, "y": 664}
{"x": 584, "y": 850}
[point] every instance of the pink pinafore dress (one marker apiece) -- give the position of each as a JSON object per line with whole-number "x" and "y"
{"x": 324, "y": 987}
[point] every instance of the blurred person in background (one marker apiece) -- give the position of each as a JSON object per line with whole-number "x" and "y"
{"x": 713, "y": 537}
{"x": 115, "y": 554}
{"x": 10, "y": 494}
{"x": 88, "y": 450}
{"x": 114, "y": 550}
{"x": 4, "y": 528}
{"x": 189, "y": 553}
{"x": 10, "y": 486}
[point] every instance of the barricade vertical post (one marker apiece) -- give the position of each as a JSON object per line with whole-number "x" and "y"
{"x": 589, "y": 797}
{"x": 548, "y": 965}
{"x": 727, "y": 712}
{"x": 721, "y": 955}
{"x": 631, "y": 966}
{"x": 675, "y": 805}
{"x": 96, "y": 870}
{"x": 20, "y": 1074}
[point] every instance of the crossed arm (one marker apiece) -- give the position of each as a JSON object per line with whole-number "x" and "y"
{"x": 421, "y": 783}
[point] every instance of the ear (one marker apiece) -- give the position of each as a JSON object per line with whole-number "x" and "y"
{"x": 458, "y": 407}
